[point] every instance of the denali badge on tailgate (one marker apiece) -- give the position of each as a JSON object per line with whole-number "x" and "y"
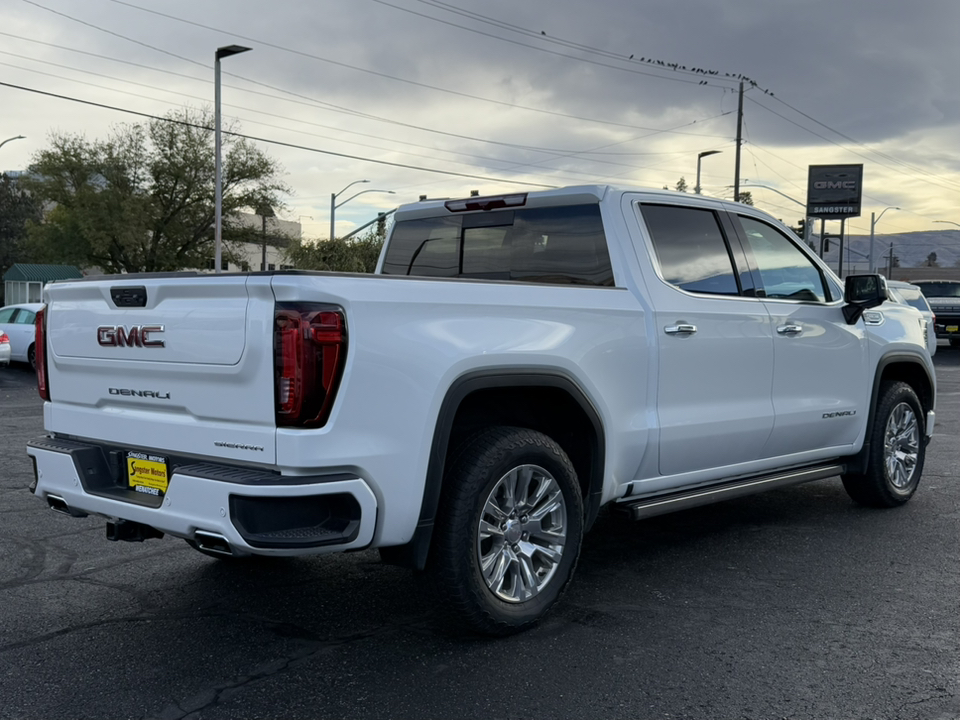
{"x": 136, "y": 336}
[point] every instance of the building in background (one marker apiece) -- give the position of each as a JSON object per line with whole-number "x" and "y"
{"x": 269, "y": 238}
{"x": 23, "y": 282}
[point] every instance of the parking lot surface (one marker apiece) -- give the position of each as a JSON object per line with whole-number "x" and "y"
{"x": 792, "y": 604}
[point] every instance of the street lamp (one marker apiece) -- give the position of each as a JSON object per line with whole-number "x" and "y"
{"x": 873, "y": 223}
{"x": 700, "y": 157}
{"x": 18, "y": 137}
{"x": 222, "y": 52}
{"x": 334, "y": 204}
{"x": 948, "y": 222}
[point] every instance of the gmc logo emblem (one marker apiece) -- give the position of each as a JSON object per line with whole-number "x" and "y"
{"x": 135, "y": 336}
{"x": 835, "y": 185}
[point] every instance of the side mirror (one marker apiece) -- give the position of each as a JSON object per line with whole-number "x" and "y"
{"x": 862, "y": 292}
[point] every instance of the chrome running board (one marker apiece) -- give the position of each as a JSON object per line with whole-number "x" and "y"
{"x": 637, "y": 509}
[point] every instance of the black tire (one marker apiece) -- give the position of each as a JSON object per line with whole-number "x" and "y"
{"x": 897, "y": 450}
{"x": 514, "y": 475}
{"x": 32, "y": 357}
{"x": 954, "y": 342}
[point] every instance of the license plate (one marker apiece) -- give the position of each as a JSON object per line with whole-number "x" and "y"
{"x": 953, "y": 328}
{"x": 147, "y": 473}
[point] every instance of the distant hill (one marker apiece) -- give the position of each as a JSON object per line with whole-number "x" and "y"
{"x": 912, "y": 249}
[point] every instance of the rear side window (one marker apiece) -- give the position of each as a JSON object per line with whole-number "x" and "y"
{"x": 691, "y": 249}
{"x": 557, "y": 245}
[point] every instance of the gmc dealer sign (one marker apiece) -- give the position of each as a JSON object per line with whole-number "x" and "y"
{"x": 833, "y": 191}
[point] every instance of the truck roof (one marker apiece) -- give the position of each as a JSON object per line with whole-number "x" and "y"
{"x": 571, "y": 195}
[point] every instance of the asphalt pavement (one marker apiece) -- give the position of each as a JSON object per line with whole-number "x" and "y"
{"x": 792, "y": 604}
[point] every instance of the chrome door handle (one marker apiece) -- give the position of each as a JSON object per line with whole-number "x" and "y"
{"x": 790, "y": 329}
{"x": 680, "y": 329}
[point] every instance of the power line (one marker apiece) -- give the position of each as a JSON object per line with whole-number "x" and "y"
{"x": 502, "y": 103}
{"x": 633, "y": 71}
{"x": 270, "y": 141}
{"x": 851, "y": 150}
{"x": 507, "y": 165}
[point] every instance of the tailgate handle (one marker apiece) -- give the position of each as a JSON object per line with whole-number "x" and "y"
{"x": 129, "y": 296}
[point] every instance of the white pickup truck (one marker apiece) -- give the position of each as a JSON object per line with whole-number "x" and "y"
{"x": 517, "y": 363}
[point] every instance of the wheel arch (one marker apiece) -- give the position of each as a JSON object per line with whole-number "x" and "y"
{"x": 546, "y": 399}
{"x": 903, "y": 366}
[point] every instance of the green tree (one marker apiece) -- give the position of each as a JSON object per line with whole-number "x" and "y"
{"x": 932, "y": 260}
{"x": 143, "y": 199}
{"x": 681, "y": 185}
{"x": 17, "y": 210}
{"x": 338, "y": 255}
{"x": 746, "y": 197}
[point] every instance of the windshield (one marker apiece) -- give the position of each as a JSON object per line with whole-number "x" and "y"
{"x": 939, "y": 289}
{"x": 914, "y": 298}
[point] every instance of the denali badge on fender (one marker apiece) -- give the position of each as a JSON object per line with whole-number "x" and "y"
{"x": 136, "y": 336}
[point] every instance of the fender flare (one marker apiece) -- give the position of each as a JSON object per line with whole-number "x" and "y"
{"x": 414, "y": 553}
{"x": 858, "y": 462}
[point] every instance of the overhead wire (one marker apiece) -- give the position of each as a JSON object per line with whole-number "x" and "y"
{"x": 457, "y": 93}
{"x": 271, "y": 141}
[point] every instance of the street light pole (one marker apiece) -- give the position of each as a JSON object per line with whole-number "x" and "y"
{"x": 333, "y": 203}
{"x": 222, "y": 52}
{"x": 700, "y": 156}
{"x": 18, "y": 137}
{"x": 873, "y": 224}
{"x": 948, "y": 222}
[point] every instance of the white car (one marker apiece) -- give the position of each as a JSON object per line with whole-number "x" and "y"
{"x": 908, "y": 294}
{"x": 17, "y": 322}
{"x": 4, "y": 349}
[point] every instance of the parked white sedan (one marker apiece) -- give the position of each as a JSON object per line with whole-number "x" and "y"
{"x": 17, "y": 322}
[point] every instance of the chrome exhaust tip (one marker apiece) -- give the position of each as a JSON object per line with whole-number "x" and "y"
{"x": 58, "y": 504}
{"x": 212, "y": 542}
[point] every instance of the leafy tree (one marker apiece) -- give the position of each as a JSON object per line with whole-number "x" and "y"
{"x": 681, "y": 185}
{"x": 339, "y": 255}
{"x": 746, "y": 197}
{"x": 932, "y": 260}
{"x": 143, "y": 199}
{"x": 17, "y": 210}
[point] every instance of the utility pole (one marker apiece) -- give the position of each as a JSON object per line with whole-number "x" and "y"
{"x": 843, "y": 222}
{"x": 890, "y": 263}
{"x": 736, "y": 172}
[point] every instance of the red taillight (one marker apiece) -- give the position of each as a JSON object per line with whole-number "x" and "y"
{"x": 4, "y": 338}
{"x": 309, "y": 343}
{"x": 40, "y": 353}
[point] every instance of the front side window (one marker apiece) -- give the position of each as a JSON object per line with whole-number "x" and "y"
{"x": 6, "y": 314}
{"x": 691, "y": 249}
{"x": 555, "y": 245}
{"x": 785, "y": 272}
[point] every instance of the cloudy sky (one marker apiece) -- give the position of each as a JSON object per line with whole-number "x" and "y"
{"x": 441, "y": 97}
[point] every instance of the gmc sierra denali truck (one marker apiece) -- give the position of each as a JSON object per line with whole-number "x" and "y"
{"x": 517, "y": 363}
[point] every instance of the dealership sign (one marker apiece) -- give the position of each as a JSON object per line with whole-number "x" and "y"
{"x": 833, "y": 191}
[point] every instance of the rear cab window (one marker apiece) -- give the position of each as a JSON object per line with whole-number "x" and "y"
{"x": 561, "y": 245}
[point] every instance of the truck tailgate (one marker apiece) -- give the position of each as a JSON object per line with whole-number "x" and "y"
{"x": 190, "y": 358}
